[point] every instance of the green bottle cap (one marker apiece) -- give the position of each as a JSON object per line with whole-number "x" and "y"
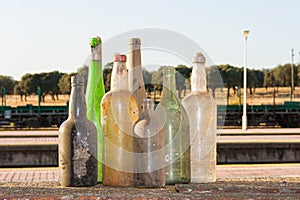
{"x": 95, "y": 41}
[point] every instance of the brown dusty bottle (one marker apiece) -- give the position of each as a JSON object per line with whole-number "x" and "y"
{"x": 135, "y": 73}
{"x": 119, "y": 112}
{"x": 149, "y": 152}
{"x": 77, "y": 142}
{"x": 176, "y": 130}
{"x": 201, "y": 108}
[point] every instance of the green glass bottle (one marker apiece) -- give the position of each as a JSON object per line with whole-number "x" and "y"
{"x": 94, "y": 94}
{"x": 176, "y": 129}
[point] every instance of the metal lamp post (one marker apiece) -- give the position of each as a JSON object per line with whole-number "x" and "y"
{"x": 244, "y": 117}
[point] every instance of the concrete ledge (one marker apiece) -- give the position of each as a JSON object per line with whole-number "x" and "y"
{"x": 229, "y": 153}
{"x": 260, "y": 131}
{"x": 241, "y": 188}
{"x": 33, "y": 150}
{"x": 29, "y": 155}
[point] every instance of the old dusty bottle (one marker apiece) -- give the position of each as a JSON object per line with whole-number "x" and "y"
{"x": 201, "y": 108}
{"x": 135, "y": 74}
{"x": 149, "y": 149}
{"x": 176, "y": 130}
{"x": 94, "y": 94}
{"x": 77, "y": 142}
{"x": 118, "y": 115}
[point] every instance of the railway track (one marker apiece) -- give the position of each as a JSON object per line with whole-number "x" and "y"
{"x": 270, "y": 116}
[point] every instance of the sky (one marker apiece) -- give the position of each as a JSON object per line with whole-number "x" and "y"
{"x": 41, "y": 36}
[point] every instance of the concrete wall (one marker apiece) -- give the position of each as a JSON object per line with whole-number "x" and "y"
{"x": 29, "y": 155}
{"x": 258, "y": 153}
{"x": 47, "y": 155}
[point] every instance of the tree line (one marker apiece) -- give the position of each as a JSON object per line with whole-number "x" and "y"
{"x": 218, "y": 76}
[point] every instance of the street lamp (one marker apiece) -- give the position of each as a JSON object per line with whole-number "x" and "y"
{"x": 244, "y": 117}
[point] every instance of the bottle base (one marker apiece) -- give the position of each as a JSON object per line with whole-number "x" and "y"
{"x": 203, "y": 180}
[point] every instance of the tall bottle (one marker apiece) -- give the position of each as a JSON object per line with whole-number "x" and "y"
{"x": 77, "y": 142}
{"x": 176, "y": 128}
{"x": 119, "y": 113}
{"x": 201, "y": 107}
{"x": 149, "y": 150}
{"x": 135, "y": 73}
{"x": 94, "y": 94}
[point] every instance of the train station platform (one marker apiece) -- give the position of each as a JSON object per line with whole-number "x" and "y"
{"x": 234, "y": 146}
{"x": 234, "y": 181}
{"x": 223, "y": 171}
{"x": 268, "y": 181}
{"x": 249, "y": 131}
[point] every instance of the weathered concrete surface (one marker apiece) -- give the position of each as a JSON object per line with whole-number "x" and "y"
{"x": 223, "y": 172}
{"x": 29, "y": 149}
{"x": 258, "y": 153}
{"x": 29, "y": 155}
{"x": 227, "y": 153}
{"x": 244, "y": 188}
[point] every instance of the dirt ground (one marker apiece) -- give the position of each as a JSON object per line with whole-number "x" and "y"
{"x": 260, "y": 96}
{"x": 242, "y": 188}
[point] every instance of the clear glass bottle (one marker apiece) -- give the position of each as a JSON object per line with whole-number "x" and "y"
{"x": 176, "y": 129}
{"x": 135, "y": 74}
{"x": 119, "y": 113}
{"x": 94, "y": 94}
{"x": 149, "y": 149}
{"x": 201, "y": 108}
{"x": 77, "y": 142}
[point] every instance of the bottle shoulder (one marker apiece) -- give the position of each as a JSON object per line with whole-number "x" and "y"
{"x": 66, "y": 125}
{"x": 121, "y": 95}
{"x": 199, "y": 96}
{"x": 199, "y": 100}
{"x": 124, "y": 100}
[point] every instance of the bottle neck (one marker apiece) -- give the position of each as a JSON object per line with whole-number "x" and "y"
{"x": 94, "y": 75}
{"x": 77, "y": 105}
{"x": 95, "y": 70}
{"x": 119, "y": 78}
{"x": 134, "y": 53}
{"x": 147, "y": 108}
{"x": 198, "y": 78}
{"x": 169, "y": 82}
{"x": 96, "y": 53}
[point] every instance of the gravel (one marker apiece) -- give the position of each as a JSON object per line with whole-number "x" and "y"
{"x": 238, "y": 188}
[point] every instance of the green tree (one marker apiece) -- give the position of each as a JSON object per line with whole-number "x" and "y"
{"x": 255, "y": 79}
{"x": 157, "y": 79}
{"x": 19, "y": 89}
{"x": 147, "y": 76}
{"x": 214, "y": 79}
{"x": 84, "y": 72}
{"x": 23, "y": 86}
{"x": 282, "y": 75}
{"x": 183, "y": 74}
{"x": 107, "y": 75}
{"x": 8, "y": 83}
{"x": 269, "y": 79}
{"x": 49, "y": 83}
{"x": 64, "y": 83}
{"x": 232, "y": 77}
